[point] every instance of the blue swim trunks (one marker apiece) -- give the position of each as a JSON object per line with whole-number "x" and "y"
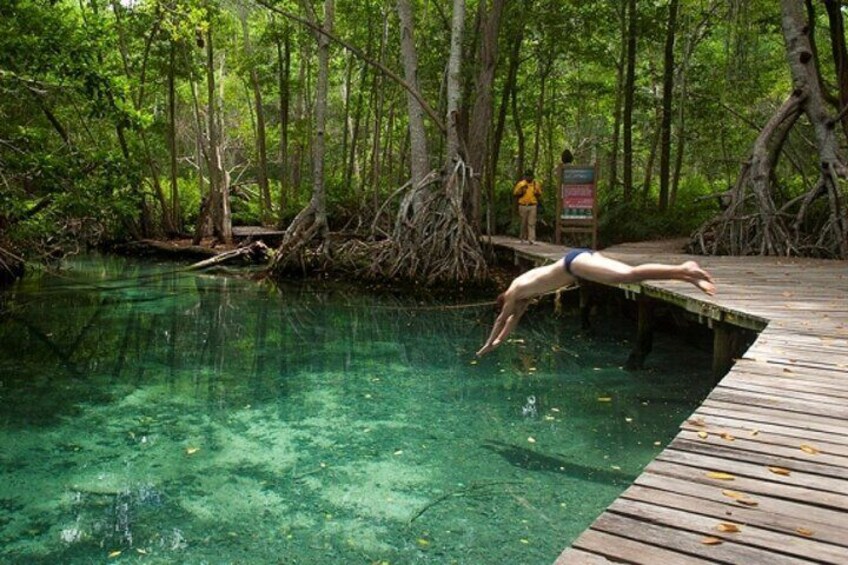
{"x": 572, "y": 255}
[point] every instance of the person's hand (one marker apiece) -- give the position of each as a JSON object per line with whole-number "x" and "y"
{"x": 506, "y": 321}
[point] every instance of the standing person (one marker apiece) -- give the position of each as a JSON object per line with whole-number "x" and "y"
{"x": 565, "y": 159}
{"x": 528, "y": 192}
{"x": 583, "y": 264}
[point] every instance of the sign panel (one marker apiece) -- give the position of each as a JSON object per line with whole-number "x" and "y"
{"x": 578, "y": 193}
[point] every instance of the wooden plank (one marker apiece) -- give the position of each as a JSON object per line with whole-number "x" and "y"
{"x": 620, "y": 549}
{"x": 774, "y": 388}
{"x": 837, "y": 383}
{"x": 770, "y": 415}
{"x": 823, "y": 521}
{"x": 756, "y": 486}
{"x": 773, "y": 401}
{"x": 767, "y": 435}
{"x": 573, "y": 556}
{"x": 788, "y": 384}
{"x": 681, "y": 538}
{"x": 768, "y": 455}
{"x": 752, "y": 536}
{"x": 827, "y": 491}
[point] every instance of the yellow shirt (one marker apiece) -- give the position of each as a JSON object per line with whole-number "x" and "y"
{"x": 528, "y": 191}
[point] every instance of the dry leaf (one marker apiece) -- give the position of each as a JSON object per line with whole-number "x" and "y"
{"x": 699, "y": 423}
{"x": 727, "y": 436}
{"x": 711, "y": 541}
{"x": 604, "y": 399}
{"x": 720, "y": 476}
{"x": 733, "y": 494}
{"x": 531, "y": 439}
{"x": 809, "y": 449}
{"x": 114, "y": 554}
{"x": 728, "y": 528}
{"x": 805, "y": 532}
{"x": 703, "y": 435}
{"x": 779, "y": 471}
{"x": 192, "y": 450}
{"x": 748, "y": 502}
{"x": 787, "y": 370}
{"x": 755, "y": 432}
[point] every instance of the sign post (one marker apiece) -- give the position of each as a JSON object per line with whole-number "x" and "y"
{"x": 577, "y": 205}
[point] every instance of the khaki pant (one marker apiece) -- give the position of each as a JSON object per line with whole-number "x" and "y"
{"x": 528, "y": 222}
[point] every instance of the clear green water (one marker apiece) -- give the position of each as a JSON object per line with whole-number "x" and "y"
{"x": 203, "y": 419}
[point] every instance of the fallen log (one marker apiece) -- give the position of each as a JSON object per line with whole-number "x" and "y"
{"x": 256, "y": 252}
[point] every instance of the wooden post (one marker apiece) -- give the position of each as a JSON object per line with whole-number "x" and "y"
{"x": 644, "y": 334}
{"x": 728, "y": 341}
{"x": 585, "y": 305}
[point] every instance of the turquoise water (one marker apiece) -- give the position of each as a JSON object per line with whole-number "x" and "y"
{"x": 207, "y": 419}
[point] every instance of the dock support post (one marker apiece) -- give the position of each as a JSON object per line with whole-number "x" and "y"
{"x": 644, "y": 333}
{"x": 728, "y": 342}
{"x": 585, "y": 306}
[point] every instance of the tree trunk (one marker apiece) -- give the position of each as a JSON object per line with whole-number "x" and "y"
{"x": 419, "y": 154}
{"x": 667, "y": 99}
{"x": 629, "y": 94}
{"x": 481, "y": 113}
{"x": 265, "y": 210}
{"x": 218, "y": 185}
{"x": 519, "y": 136}
{"x": 376, "y": 142}
{"x": 172, "y": 139}
{"x": 619, "y": 102}
{"x": 284, "y": 80}
{"x": 508, "y": 88}
{"x": 840, "y": 55}
{"x": 454, "y": 85}
{"x": 311, "y": 222}
{"x": 652, "y": 157}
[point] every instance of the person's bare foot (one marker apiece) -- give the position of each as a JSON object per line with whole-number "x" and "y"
{"x": 699, "y": 277}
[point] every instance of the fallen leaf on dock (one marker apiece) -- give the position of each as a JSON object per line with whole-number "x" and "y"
{"x": 703, "y": 435}
{"x": 755, "y": 432}
{"x": 779, "y": 471}
{"x": 809, "y": 449}
{"x": 728, "y": 528}
{"x": 804, "y": 532}
{"x": 727, "y": 436}
{"x": 748, "y": 502}
{"x": 720, "y": 476}
{"x": 699, "y": 423}
{"x": 733, "y": 494}
{"x": 711, "y": 541}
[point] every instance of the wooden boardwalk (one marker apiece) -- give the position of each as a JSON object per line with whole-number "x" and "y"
{"x": 759, "y": 473}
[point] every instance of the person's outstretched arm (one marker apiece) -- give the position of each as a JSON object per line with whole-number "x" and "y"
{"x": 514, "y": 301}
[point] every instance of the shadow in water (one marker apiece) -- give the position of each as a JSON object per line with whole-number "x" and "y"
{"x": 530, "y": 460}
